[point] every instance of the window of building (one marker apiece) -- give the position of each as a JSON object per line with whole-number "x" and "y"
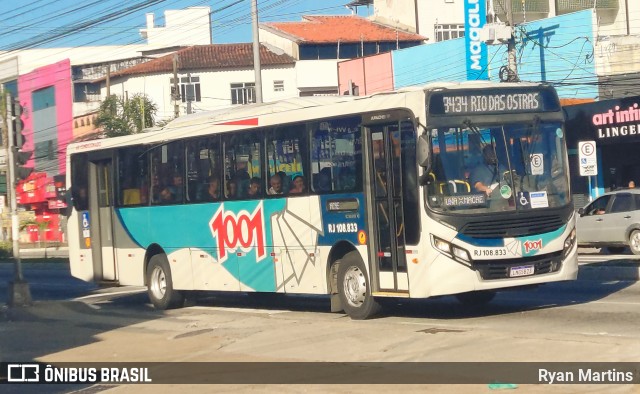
{"x": 336, "y": 155}
{"x": 445, "y": 32}
{"x": 278, "y": 86}
{"x": 243, "y": 93}
{"x": 243, "y": 166}
{"x": 189, "y": 88}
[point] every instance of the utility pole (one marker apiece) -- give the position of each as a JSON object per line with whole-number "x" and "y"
{"x": 176, "y": 92}
{"x": 256, "y": 50}
{"x": 512, "y": 75}
{"x": 19, "y": 294}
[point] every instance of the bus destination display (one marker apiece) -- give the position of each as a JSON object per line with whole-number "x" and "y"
{"x": 491, "y": 103}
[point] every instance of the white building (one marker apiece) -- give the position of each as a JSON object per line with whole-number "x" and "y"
{"x": 208, "y": 77}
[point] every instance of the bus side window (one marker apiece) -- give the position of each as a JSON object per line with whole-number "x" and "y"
{"x": 79, "y": 181}
{"x": 167, "y": 173}
{"x": 132, "y": 176}
{"x": 243, "y": 162}
{"x": 336, "y": 155}
{"x": 286, "y": 148}
{"x": 203, "y": 168}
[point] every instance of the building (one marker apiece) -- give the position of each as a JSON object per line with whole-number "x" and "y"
{"x": 59, "y": 95}
{"x": 205, "y": 77}
{"x": 319, "y": 43}
{"x": 613, "y": 127}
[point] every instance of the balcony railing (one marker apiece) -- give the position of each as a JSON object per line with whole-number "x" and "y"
{"x": 519, "y": 6}
{"x": 564, "y": 6}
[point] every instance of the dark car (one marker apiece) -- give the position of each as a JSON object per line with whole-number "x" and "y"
{"x": 611, "y": 221}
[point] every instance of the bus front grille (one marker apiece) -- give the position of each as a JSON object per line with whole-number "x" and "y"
{"x": 512, "y": 227}
{"x": 500, "y": 269}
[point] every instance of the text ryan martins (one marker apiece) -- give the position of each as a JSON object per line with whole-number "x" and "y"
{"x": 584, "y": 376}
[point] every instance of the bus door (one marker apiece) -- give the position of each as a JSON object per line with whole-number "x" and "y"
{"x": 387, "y": 240}
{"x": 101, "y": 222}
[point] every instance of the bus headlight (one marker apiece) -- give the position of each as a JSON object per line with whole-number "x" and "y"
{"x": 460, "y": 253}
{"x": 441, "y": 245}
{"x": 451, "y": 250}
{"x": 569, "y": 242}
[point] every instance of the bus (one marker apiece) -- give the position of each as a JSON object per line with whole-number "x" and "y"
{"x": 357, "y": 198}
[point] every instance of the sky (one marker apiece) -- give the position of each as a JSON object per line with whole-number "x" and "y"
{"x": 28, "y": 24}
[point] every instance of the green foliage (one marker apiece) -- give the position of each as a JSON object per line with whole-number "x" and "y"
{"x": 118, "y": 116}
{"x": 6, "y": 249}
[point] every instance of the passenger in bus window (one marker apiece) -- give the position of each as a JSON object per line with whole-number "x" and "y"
{"x": 324, "y": 180}
{"x": 155, "y": 188}
{"x": 232, "y": 188}
{"x": 178, "y": 187}
{"x": 212, "y": 192}
{"x": 166, "y": 196}
{"x": 275, "y": 183}
{"x": 285, "y": 180}
{"x": 254, "y": 187}
{"x": 242, "y": 179}
{"x": 298, "y": 186}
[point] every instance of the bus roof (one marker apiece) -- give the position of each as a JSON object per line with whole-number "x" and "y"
{"x": 247, "y": 116}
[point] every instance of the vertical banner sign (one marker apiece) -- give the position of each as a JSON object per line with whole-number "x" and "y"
{"x": 475, "y": 17}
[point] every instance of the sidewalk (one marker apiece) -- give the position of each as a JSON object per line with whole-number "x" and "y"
{"x": 53, "y": 251}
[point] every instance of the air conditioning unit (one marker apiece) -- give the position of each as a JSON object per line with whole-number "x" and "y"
{"x": 496, "y": 33}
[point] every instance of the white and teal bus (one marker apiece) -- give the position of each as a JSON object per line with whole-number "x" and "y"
{"x": 358, "y": 198}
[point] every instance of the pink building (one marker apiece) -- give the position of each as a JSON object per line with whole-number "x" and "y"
{"x": 47, "y": 116}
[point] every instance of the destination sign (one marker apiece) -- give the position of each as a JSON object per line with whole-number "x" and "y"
{"x": 492, "y": 101}
{"x": 458, "y": 201}
{"x": 348, "y": 204}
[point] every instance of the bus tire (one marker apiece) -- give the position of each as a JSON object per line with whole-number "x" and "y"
{"x": 354, "y": 288}
{"x": 476, "y": 298}
{"x": 160, "y": 284}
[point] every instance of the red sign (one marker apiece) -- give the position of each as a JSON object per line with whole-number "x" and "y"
{"x": 244, "y": 231}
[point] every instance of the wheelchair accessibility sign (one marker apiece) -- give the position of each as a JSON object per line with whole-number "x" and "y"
{"x": 86, "y": 233}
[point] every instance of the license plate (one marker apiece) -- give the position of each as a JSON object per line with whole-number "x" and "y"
{"x": 521, "y": 271}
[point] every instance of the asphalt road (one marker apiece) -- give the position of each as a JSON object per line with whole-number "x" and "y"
{"x": 592, "y": 319}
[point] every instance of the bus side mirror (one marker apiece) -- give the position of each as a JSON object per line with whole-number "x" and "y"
{"x": 423, "y": 151}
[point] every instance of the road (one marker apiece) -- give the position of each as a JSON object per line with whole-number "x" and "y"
{"x": 586, "y": 320}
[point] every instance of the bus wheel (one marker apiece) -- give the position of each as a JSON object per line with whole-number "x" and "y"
{"x": 634, "y": 242}
{"x": 354, "y": 288}
{"x": 160, "y": 286}
{"x": 476, "y": 298}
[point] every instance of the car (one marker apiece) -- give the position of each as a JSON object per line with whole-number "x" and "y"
{"x": 612, "y": 221}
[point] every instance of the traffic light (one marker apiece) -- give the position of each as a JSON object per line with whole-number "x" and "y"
{"x": 20, "y": 157}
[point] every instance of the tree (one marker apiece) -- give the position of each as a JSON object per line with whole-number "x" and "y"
{"x": 118, "y": 116}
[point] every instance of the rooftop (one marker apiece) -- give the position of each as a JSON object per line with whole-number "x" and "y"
{"x": 209, "y": 57}
{"x": 316, "y": 29}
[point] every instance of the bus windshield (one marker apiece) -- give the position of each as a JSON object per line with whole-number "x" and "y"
{"x": 497, "y": 167}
